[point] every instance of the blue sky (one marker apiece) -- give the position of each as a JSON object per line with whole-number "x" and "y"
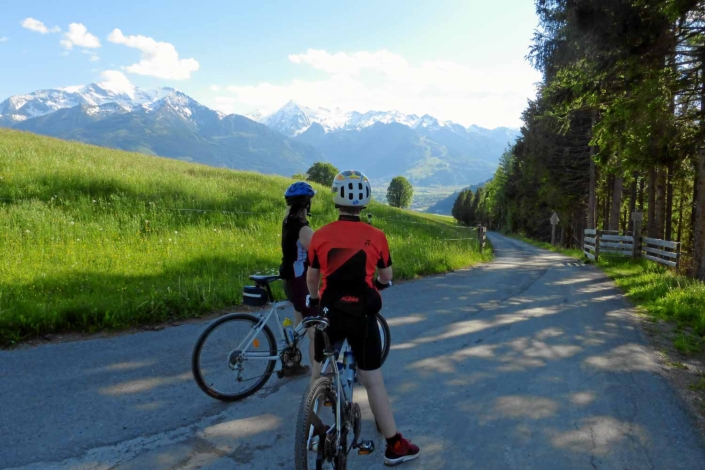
{"x": 456, "y": 60}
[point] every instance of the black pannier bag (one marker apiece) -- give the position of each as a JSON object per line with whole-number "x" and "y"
{"x": 254, "y": 296}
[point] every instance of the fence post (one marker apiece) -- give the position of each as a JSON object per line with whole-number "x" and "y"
{"x": 678, "y": 259}
{"x": 481, "y": 237}
{"x": 597, "y": 246}
{"x": 637, "y": 218}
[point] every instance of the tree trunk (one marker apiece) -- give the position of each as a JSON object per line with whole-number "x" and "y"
{"x": 699, "y": 191}
{"x": 669, "y": 203}
{"x": 625, "y": 220}
{"x": 632, "y": 202}
{"x": 592, "y": 198}
{"x": 693, "y": 212}
{"x": 660, "y": 203}
{"x": 642, "y": 181}
{"x": 680, "y": 215}
{"x": 699, "y": 220}
{"x": 651, "y": 223}
{"x": 607, "y": 203}
{"x": 616, "y": 202}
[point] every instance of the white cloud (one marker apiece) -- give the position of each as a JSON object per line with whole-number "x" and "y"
{"x": 93, "y": 55}
{"x": 215, "y": 88}
{"x": 381, "y": 80}
{"x": 38, "y": 27}
{"x": 117, "y": 81}
{"x": 3, "y": 38}
{"x": 78, "y": 35}
{"x": 159, "y": 59}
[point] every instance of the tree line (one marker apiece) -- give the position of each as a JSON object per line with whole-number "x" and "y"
{"x": 617, "y": 127}
{"x": 400, "y": 192}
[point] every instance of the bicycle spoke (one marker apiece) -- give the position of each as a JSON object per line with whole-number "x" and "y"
{"x": 224, "y": 368}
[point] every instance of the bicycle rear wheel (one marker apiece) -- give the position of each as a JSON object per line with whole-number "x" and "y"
{"x": 222, "y": 371}
{"x": 313, "y": 450}
{"x": 386, "y": 336}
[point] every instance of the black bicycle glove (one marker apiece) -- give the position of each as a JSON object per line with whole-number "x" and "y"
{"x": 312, "y": 303}
{"x": 381, "y": 286}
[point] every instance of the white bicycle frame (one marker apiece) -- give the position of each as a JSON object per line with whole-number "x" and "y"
{"x": 340, "y": 387}
{"x": 246, "y": 343}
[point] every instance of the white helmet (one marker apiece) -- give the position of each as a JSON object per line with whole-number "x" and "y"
{"x": 351, "y": 189}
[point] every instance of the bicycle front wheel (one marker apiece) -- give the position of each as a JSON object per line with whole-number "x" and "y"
{"x": 224, "y": 371}
{"x": 314, "y": 449}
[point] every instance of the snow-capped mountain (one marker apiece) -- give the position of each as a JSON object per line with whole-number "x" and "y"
{"x": 163, "y": 122}
{"x": 40, "y": 103}
{"x": 169, "y": 123}
{"x": 294, "y": 119}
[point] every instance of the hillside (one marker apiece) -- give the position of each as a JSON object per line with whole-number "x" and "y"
{"x": 388, "y": 150}
{"x": 97, "y": 238}
{"x": 427, "y": 151}
{"x": 445, "y": 205}
{"x": 166, "y": 122}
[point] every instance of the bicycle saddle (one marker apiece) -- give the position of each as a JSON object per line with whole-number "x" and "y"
{"x": 264, "y": 279}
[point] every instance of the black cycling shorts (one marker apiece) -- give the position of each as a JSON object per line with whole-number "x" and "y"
{"x": 362, "y": 333}
{"x": 296, "y": 291}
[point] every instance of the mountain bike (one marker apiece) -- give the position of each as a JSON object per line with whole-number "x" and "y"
{"x": 236, "y": 354}
{"x": 322, "y": 441}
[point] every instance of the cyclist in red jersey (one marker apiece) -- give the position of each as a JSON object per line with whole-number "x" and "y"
{"x": 343, "y": 258}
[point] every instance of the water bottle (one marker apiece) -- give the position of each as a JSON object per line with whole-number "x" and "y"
{"x": 349, "y": 362}
{"x": 288, "y": 331}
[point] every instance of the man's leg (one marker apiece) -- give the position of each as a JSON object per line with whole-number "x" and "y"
{"x": 367, "y": 347}
{"x": 379, "y": 401}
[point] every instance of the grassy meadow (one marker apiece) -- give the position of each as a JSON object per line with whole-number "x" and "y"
{"x": 94, "y": 238}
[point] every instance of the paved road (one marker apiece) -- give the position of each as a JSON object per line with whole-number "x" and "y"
{"x": 530, "y": 362}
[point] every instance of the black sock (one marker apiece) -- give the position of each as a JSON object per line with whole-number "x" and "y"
{"x": 393, "y": 440}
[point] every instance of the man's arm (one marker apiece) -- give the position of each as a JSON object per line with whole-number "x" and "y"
{"x": 385, "y": 275}
{"x": 313, "y": 280}
{"x": 384, "y": 265}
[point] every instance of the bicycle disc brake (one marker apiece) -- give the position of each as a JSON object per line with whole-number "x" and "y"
{"x": 291, "y": 357}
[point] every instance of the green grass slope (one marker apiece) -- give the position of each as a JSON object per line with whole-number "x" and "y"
{"x": 93, "y": 238}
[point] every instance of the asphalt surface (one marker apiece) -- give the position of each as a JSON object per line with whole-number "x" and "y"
{"x": 533, "y": 361}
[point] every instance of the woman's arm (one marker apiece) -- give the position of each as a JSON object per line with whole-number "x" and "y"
{"x": 313, "y": 280}
{"x": 305, "y": 235}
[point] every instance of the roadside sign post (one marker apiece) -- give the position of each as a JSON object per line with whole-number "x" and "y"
{"x": 554, "y": 222}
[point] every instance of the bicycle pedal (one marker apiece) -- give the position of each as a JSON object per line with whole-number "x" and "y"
{"x": 365, "y": 448}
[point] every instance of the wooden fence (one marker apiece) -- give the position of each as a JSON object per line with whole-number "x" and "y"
{"x": 597, "y": 242}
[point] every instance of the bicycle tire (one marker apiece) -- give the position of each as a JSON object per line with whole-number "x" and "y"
{"x": 318, "y": 389}
{"x": 382, "y": 322}
{"x": 195, "y": 358}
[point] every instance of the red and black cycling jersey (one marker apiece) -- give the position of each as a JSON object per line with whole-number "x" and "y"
{"x": 348, "y": 252}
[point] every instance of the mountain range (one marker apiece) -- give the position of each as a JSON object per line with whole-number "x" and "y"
{"x": 162, "y": 122}
{"x": 386, "y": 144}
{"x": 168, "y": 123}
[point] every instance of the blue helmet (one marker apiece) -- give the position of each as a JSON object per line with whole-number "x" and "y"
{"x": 299, "y": 194}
